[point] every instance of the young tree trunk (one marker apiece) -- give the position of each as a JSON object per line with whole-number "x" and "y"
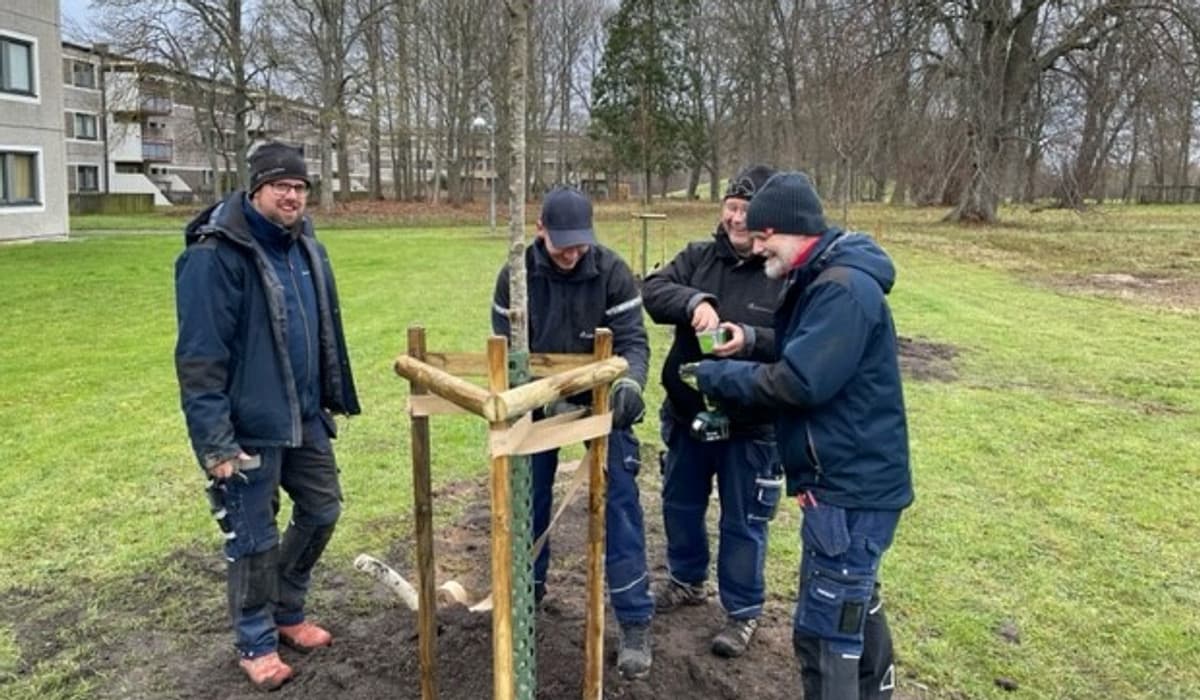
{"x": 518, "y": 40}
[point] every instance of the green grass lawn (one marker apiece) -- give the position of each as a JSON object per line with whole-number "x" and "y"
{"x": 1056, "y": 476}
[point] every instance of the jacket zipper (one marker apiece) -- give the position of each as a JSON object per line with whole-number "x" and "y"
{"x": 812, "y": 452}
{"x": 308, "y": 360}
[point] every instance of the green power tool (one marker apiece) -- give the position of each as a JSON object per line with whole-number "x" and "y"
{"x": 711, "y": 424}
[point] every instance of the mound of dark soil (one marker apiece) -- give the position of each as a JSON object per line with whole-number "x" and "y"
{"x": 376, "y": 650}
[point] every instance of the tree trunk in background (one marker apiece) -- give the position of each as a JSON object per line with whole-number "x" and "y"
{"x": 343, "y": 156}
{"x": 374, "y": 43}
{"x": 241, "y": 99}
{"x": 1127, "y": 193}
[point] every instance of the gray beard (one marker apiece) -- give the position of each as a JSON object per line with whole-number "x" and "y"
{"x": 776, "y": 268}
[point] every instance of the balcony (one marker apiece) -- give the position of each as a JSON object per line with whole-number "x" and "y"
{"x": 158, "y": 150}
{"x": 124, "y": 141}
{"x": 156, "y": 104}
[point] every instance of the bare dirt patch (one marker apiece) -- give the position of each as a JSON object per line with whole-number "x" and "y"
{"x": 928, "y": 361}
{"x": 1173, "y": 293}
{"x": 165, "y": 634}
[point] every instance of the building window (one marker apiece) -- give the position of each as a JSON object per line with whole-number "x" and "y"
{"x": 83, "y": 74}
{"x": 18, "y": 178}
{"x": 16, "y": 66}
{"x": 87, "y": 178}
{"x": 85, "y": 126}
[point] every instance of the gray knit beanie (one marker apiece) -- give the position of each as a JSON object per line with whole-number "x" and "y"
{"x": 787, "y": 203}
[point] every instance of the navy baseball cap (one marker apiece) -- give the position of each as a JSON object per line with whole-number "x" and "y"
{"x": 567, "y": 218}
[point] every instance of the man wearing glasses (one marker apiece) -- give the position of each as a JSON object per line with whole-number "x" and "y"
{"x": 834, "y": 384}
{"x": 710, "y": 287}
{"x": 262, "y": 365}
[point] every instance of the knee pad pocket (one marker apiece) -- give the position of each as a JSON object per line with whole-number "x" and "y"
{"x": 834, "y": 607}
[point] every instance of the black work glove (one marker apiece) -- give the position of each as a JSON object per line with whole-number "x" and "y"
{"x": 625, "y": 402}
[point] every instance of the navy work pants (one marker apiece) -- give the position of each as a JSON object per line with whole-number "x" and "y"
{"x": 268, "y": 580}
{"x": 840, "y": 633}
{"x": 625, "y": 535}
{"x": 749, "y": 481}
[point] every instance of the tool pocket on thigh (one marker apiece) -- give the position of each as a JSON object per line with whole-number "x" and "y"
{"x": 768, "y": 488}
{"x": 825, "y": 530}
{"x": 248, "y": 500}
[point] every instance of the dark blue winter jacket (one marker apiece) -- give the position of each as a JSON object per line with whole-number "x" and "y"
{"x": 841, "y": 423}
{"x": 236, "y": 378}
{"x": 291, "y": 267}
{"x": 566, "y": 307}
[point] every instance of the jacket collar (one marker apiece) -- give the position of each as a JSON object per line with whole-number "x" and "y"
{"x": 269, "y": 234}
{"x": 725, "y": 249}
{"x": 228, "y": 219}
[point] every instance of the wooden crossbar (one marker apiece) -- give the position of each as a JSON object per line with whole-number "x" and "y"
{"x": 474, "y": 364}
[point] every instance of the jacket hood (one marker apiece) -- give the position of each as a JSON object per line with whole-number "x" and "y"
{"x": 855, "y": 250}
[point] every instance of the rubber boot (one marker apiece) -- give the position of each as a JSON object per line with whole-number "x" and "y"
{"x": 825, "y": 675}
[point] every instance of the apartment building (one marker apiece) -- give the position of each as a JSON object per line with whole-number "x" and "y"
{"x": 132, "y": 126}
{"x": 33, "y": 200}
{"x": 83, "y": 122}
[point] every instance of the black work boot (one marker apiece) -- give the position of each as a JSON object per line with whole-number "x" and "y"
{"x": 635, "y": 655}
{"x": 671, "y": 594}
{"x": 734, "y": 638}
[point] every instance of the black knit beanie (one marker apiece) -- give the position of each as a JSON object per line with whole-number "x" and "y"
{"x": 748, "y": 181}
{"x": 276, "y": 161}
{"x": 787, "y": 203}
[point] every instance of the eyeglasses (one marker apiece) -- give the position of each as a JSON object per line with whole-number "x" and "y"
{"x": 282, "y": 188}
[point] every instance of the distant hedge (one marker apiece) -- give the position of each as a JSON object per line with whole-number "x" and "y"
{"x": 112, "y": 203}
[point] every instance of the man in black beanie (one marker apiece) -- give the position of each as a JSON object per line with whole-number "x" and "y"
{"x": 712, "y": 287}
{"x": 834, "y": 385}
{"x": 262, "y": 366}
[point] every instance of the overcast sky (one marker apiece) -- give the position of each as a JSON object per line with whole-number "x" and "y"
{"x": 78, "y": 23}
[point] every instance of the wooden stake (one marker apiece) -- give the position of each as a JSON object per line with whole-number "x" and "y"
{"x": 423, "y": 515}
{"x": 503, "y": 673}
{"x": 593, "y": 672}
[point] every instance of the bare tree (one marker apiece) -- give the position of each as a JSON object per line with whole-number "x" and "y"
{"x": 207, "y": 45}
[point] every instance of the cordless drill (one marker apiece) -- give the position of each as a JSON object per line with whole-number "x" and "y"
{"x": 711, "y": 424}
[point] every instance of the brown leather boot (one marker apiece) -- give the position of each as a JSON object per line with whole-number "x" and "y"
{"x": 304, "y": 637}
{"x": 266, "y": 672}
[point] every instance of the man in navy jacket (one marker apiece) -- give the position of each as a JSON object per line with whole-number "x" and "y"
{"x": 261, "y": 361}
{"x": 575, "y": 286}
{"x": 841, "y": 427}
